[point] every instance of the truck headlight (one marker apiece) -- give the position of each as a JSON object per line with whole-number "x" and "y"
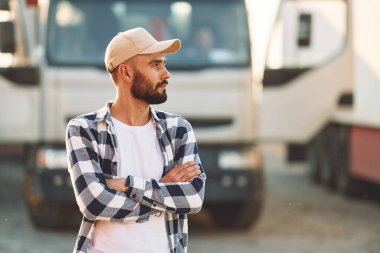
{"x": 249, "y": 158}
{"x": 50, "y": 158}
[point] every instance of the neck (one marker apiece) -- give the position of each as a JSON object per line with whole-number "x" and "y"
{"x": 131, "y": 111}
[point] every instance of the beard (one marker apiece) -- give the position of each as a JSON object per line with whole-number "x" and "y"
{"x": 146, "y": 90}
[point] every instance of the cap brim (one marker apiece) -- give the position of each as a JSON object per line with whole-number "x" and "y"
{"x": 165, "y": 47}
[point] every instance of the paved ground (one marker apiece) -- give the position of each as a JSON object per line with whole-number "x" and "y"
{"x": 298, "y": 217}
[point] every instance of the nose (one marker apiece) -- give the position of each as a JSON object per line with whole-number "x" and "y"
{"x": 166, "y": 74}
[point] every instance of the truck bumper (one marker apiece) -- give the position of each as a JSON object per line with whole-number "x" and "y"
{"x": 220, "y": 187}
{"x": 233, "y": 186}
{"x": 230, "y": 184}
{"x": 223, "y": 184}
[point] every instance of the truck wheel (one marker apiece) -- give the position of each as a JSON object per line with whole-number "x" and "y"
{"x": 239, "y": 215}
{"x": 336, "y": 152}
{"x": 328, "y": 154}
{"x": 235, "y": 215}
{"x": 313, "y": 159}
{"x": 320, "y": 157}
{"x": 48, "y": 214}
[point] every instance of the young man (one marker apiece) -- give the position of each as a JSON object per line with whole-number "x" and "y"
{"x": 135, "y": 170}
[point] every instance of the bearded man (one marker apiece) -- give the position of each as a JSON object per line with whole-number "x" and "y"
{"x": 135, "y": 170}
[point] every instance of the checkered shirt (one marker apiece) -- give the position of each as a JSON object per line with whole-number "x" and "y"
{"x": 92, "y": 158}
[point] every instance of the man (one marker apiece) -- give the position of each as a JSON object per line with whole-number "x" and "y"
{"x": 135, "y": 170}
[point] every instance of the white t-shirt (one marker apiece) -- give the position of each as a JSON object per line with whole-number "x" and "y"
{"x": 139, "y": 155}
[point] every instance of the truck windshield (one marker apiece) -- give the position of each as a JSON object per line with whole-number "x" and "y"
{"x": 213, "y": 33}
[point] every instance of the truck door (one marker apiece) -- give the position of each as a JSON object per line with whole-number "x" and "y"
{"x": 19, "y": 87}
{"x": 308, "y": 49}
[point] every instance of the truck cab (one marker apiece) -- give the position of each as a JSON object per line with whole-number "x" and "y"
{"x": 61, "y": 44}
{"x": 321, "y": 89}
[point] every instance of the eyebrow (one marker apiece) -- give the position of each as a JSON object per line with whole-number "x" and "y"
{"x": 155, "y": 61}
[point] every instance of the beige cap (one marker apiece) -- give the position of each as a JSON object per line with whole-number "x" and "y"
{"x": 136, "y": 41}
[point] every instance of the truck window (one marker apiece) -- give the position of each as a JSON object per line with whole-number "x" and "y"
{"x": 6, "y": 57}
{"x": 304, "y": 30}
{"x": 79, "y": 30}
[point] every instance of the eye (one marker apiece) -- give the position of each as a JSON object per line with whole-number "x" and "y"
{"x": 155, "y": 65}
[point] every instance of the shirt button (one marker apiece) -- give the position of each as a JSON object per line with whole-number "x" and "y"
{"x": 133, "y": 195}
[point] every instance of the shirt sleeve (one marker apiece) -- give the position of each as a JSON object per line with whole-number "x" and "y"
{"x": 95, "y": 200}
{"x": 178, "y": 198}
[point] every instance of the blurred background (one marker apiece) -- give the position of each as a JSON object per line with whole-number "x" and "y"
{"x": 282, "y": 95}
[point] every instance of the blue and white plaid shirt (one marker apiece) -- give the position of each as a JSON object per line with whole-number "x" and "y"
{"x": 93, "y": 156}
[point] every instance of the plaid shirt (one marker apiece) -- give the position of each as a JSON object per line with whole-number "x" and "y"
{"x": 93, "y": 156}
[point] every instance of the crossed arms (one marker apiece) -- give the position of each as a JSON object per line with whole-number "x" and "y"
{"x": 181, "y": 173}
{"x": 133, "y": 199}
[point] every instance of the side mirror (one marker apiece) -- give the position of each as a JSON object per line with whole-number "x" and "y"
{"x": 25, "y": 76}
{"x": 7, "y": 37}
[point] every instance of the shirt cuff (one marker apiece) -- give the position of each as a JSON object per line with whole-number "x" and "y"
{"x": 136, "y": 188}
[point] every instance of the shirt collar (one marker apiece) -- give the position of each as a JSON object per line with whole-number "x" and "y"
{"x": 104, "y": 114}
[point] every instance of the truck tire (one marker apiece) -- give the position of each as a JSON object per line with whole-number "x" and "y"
{"x": 320, "y": 157}
{"x": 239, "y": 215}
{"x": 313, "y": 159}
{"x": 49, "y": 214}
{"x": 328, "y": 155}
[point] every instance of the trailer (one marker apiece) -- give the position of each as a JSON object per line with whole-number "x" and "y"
{"x": 321, "y": 88}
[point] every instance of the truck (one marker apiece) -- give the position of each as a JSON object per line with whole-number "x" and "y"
{"x": 55, "y": 71}
{"x": 321, "y": 86}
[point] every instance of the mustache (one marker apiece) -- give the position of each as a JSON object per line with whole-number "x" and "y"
{"x": 163, "y": 82}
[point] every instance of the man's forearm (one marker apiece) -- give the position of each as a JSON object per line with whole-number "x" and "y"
{"x": 191, "y": 192}
{"x": 181, "y": 173}
{"x": 178, "y": 197}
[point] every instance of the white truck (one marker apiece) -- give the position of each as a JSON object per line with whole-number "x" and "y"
{"x": 321, "y": 89}
{"x": 56, "y": 72}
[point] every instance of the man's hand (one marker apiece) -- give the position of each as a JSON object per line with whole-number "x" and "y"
{"x": 117, "y": 184}
{"x": 182, "y": 173}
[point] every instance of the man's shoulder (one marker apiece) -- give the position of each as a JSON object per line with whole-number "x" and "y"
{"x": 162, "y": 115}
{"x": 88, "y": 120}
{"x": 172, "y": 119}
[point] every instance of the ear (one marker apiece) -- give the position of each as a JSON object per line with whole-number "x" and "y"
{"x": 125, "y": 72}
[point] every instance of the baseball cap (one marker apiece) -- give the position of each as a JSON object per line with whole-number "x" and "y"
{"x": 136, "y": 41}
